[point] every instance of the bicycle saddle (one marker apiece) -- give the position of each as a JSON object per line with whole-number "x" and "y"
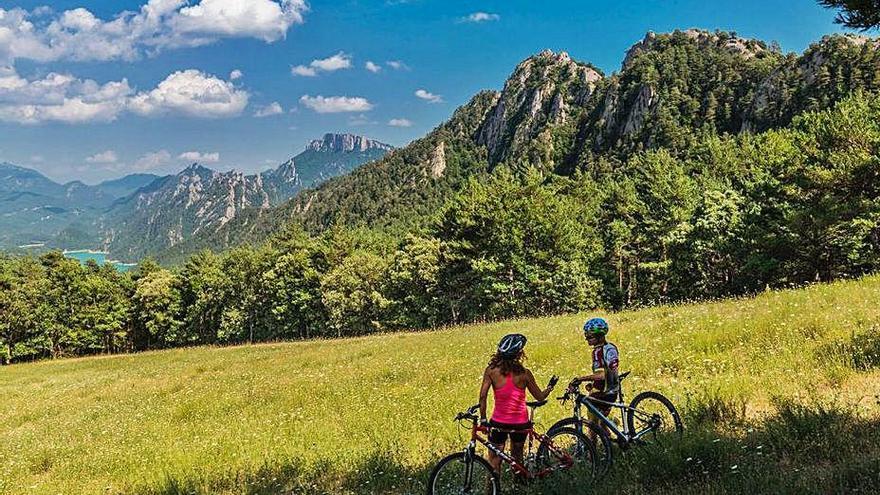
{"x": 537, "y": 403}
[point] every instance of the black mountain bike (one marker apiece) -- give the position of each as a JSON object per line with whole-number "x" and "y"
{"x": 649, "y": 418}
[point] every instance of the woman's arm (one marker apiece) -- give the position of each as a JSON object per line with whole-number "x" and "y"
{"x": 484, "y": 393}
{"x": 536, "y": 391}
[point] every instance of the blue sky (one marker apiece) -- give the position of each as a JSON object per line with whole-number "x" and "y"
{"x": 82, "y": 97}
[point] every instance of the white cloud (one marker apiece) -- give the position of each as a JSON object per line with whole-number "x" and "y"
{"x": 235, "y": 75}
{"x": 193, "y": 93}
{"x": 78, "y": 34}
{"x": 397, "y": 65}
{"x": 302, "y": 70}
{"x": 370, "y": 66}
{"x": 428, "y": 96}
{"x": 336, "y": 104}
{"x": 152, "y": 161}
{"x": 59, "y": 98}
{"x": 332, "y": 63}
{"x": 38, "y": 158}
{"x": 273, "y": 108}
{"x": 108, "y": 156}
{"x": 65, "y": 98}
{"x": 480, "y": 17}
{"x": 400, "y": 123}
{"x": 197, "y": 156}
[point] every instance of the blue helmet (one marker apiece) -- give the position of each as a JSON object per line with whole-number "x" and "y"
{"x": 596, "y": 326}
{"x": 511, "y": 345}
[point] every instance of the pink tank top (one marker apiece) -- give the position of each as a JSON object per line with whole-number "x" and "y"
{"x": 510, "y": 404}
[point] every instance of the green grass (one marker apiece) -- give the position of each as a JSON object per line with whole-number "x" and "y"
{"x": 784, "y": 386}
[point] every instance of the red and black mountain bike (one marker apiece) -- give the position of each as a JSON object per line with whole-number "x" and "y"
{"x": 565, "y": 452}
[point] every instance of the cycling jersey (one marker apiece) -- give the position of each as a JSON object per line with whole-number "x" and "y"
{"x": 606, "y": 357}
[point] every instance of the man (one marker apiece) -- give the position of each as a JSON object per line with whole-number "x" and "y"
{"x": 605, "y": 379}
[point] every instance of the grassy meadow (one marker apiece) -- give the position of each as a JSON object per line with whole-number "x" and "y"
{"x": 779, "y": 394}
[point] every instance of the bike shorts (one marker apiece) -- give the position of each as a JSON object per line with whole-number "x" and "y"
{"x": 499, "y": 437}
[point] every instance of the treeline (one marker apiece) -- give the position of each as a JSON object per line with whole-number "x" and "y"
{"x": 730, "y": 215}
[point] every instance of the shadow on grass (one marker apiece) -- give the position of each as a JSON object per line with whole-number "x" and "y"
{"x": 802, "y": 449}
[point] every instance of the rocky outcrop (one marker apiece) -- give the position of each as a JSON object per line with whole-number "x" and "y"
{"x": 438, "y": 160}
{"x": 799, "y": 82}
{"x": 744, "y": 47}
{"x": 346, "y": 143}
{"x": 200, "y": 200}
{"x": 545, "y": 90}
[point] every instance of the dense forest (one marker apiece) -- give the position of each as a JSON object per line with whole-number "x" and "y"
{"x": 725, "y": 214}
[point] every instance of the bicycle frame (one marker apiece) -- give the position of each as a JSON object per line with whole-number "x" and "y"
{"x": 518, "y": 468}
{"x": 622, "y": 434}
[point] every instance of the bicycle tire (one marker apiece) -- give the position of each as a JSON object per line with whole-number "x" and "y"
{"x": 653, "y": 396}
{"x": 604, "y": 454}
{"x": 589, "y": 453}
{"x": 462, "y": 457}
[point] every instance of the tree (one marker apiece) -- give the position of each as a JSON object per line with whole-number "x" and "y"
{"x": 514, "y": 247}
{"x": 157, "y": 312}
{"x": 856, "y": 14}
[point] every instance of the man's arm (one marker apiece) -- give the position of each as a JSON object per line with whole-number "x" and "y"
{"x": 599, "y": 375}
{"x": 484, "y": 393}
{"x": 536, "y": 391}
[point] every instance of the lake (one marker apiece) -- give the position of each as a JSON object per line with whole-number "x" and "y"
{"x": 99, "y": 257}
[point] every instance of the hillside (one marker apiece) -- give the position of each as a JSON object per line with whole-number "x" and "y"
{"x": 34, "y": 208}
{"x": 564, "y": 117}
{"x": 771, "y": 388}
{"x": 199, "y": 200}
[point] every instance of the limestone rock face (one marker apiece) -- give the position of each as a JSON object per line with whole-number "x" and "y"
{"x": 790, "y": 86}
{"x": 438, "y": 160}
{"x": 345, "y": 143}
{"x": 545, "y": 90}
{"x": 200, "y": 200}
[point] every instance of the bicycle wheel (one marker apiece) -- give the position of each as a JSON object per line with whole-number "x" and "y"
{"x": 655, "y": 417}
{"x": 602, "y": 443}
{"x": 461, "y": 473}
{"x": 571, "y": 455}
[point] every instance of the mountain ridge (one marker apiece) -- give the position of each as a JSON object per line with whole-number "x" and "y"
{"x": 564, "y": 116}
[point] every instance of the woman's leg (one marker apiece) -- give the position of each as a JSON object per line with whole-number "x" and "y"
{"x": 516, "y": 449}
{"x": 494, "y": 459}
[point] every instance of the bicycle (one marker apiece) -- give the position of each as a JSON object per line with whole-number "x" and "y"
{"x": 649, "y": 413}
{"x": 564, "y": 450}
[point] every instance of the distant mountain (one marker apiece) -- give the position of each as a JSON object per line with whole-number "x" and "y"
{"x": 200, "y": 201}
{"x": 565, "y": 116}
{"x": 34, "y": 208}
{"x": 124, "y": 186}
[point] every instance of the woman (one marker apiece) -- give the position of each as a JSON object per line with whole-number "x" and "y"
{"x": 509, "y": 380}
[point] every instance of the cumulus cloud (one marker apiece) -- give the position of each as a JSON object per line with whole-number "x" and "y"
{"x": 480, "y": 17}
{"x": 197, "y": 156}
{"x": 78, "y": 34}
{"x": 273, "y": 108}
{"x": 428, "y": 96}
{"x": 235, "y": 75}
{"x": 65, "y": 98}
{"x": 332, "y": 63}
{"x": 336, "y": 104}
{"x": 400, "y": 123}
{"x": 108, "y": 156}
{"x": 302, "y": 70}
{"x": 59, "y": 98}
{"x": 152, "y": 160}
{"x": 372, "y": 67}
{"x": 193, "y": 93}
